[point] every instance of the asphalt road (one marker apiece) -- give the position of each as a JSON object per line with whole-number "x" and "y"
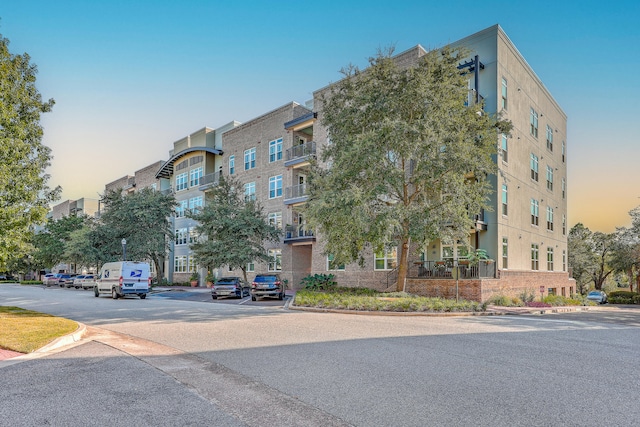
{"x": 163, "y": 361}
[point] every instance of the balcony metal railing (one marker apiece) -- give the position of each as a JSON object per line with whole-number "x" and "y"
{"x": 293, "y": 232}
{"x": 300, "y": 151}
{"x": 295, "y": 191}
{"x": 445, "y": 270}
{"x": 209, "y": 180}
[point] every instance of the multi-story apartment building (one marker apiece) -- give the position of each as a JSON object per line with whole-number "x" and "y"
{"x": 142, "y": 178}
{"x": 84, "y": 206}
{"x": 524, "y": 234}
{"x": 194, "y": 165}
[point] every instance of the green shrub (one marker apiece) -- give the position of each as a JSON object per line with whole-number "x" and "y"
{"x": 319, "y": 282}
{"x": 624, "y": 297}
{"x": 505, "y": 301}
{"x": 31, "y": 282}
{"x": 559, "y": 300}
{"x": 527, "y": 296}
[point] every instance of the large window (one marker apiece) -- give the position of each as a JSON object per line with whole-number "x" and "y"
{"x": 181, "y": 208}
{"x": 533, "y": 120}
{"x": 505, "y": 253}
{"x": 564, "y": 225}
{"x": 534, "y": 167}
{"x": 386, "y": 260}
{"x": 550, "y": 259}
{"x": 549, "y": 218}
{"x": 250, "y": 159}
{"x": 504, "y": 93}
{"x": 182, "y": 236}
{"x": 232, "y": 165}
{"x": 504, "y": 148}
{"x": 564, "y": 149}
{"x": 535, "y": 211}
{"x": 250, "y": 191}
{"x": 564, "y": 187}
{"x": 180, "y": 264}
{"x": 275, "y": 150}
{"x": 275, "y": 259}
{"x": 192, "y": 264}
{"x": 332, "y": 265}
{"x": 194, "y": 177}
{"x": 549, "y": 138}
{"x": 549, "y": 178}
{"x": 275, "y": 186}
{"x": 535, "y": 256}
{"x": 564, "y": 260}
{"x": 275, "y": 219}
{"x": 181, "y": 181}
{"x": 193, "y": 235}
{"x": 504, "y": 199}
{"x": 195, "y": 203}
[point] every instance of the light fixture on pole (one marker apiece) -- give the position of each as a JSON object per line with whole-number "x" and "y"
{"x": 124, "y": 249}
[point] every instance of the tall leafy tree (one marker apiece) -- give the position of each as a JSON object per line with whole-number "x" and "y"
{"x": 580, "y": 255}
{"x": 409, "y": 160}
{"x": 24, "y": 194}
{"x": 233, "y": 229}
{"x": 142, "y": 218}
{"x": 50, "y": 245}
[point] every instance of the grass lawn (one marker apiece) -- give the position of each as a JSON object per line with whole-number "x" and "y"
{"x": 26, "y": 331}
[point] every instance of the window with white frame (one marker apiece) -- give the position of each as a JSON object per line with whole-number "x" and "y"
{"x": 564, "y": 187}
{"x": 504, "y": 199}
{"x": 196, "y": 203}
{"x": 192, "y": 264}
{"x": 535, "y": 256}
{"x": 549, "y": 138}
{"x": 504, "y": 93}
{"x": 505, "y": 253}
{"x": 549, "y": 259}
{"x": 275, "y": 260}
{"x": 180, "y": 264}
{"x": 386, "y": 260}
{"x": 564, "y": 225}
{"x": 251, "y": 267}
{"x": 504, "y": 148}
{"x": 275, "y": 186}
{"x": 564, "y": 260}
{"x": 535, "y": 211}
{"x": 182, "y": 236}
{"x": 275, "y": 150}
{"x": 181, "y": 208}
{"x": 250, "y": 159}
{"x": 563, "y": 151}
{"x": 549, "y": 178}
{"x": 194, "y": 177}
{"x": 181, "y": 181}
{"x": 533, "y": 121}
{"x": 275, "y": 219}
{"x": 534, "y": 167}
{"x": 549, "y": 218}
{"x": 250, "y": 191}
{"x": 193, "y": 235}
{"x": 332, "y": 265}
{"x": 232, "y": 165}
{"x": 448, "y": 254}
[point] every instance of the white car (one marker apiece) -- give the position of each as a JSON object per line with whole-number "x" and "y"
{"x": 88, "y": 281}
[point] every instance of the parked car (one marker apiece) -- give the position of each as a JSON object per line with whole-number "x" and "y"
{"x": 53, "y": 279}
{"x": 87, "y": 282}
{"x": 230, "y": 287}
{"x": 66, "y": 280}
{"x": 597, "y": 296}
{"x": 267, "y": 285}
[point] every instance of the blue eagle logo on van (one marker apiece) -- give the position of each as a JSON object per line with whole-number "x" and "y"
{"x": 135, "y": 273}
{"x": 106, "y": 274}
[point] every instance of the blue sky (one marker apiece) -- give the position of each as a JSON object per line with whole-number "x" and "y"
{"x": 131, "y": 77}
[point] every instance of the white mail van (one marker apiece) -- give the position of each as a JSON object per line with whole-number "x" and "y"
{"x": 123, "y": 278}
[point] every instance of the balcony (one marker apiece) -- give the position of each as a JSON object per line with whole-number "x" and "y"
{"x": 445, "y": 270}
{"x": 209, "y": 181}
{"x": 296, "y": 194}
{"x": 298, "y": 234}
{"x": 299, "y": 154}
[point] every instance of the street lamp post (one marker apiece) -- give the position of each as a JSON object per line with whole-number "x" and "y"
{"x": 124, "y": 249}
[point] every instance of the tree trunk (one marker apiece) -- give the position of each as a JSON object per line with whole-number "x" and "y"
{"x": 402, "y": 265}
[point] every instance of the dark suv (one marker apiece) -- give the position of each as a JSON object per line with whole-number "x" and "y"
{"x": 267, "y": 285}
{"x": 229, "y": 287}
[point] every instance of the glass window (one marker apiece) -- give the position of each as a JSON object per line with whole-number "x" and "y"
{"x": 251, "y": 267}
{"x": 504, "y": 93}
{"x": 533, "y": 120}
{"x": 275, "y": 150}
{"x": 192, "y": 264}
{"x": 181, "y": 181}
{"x": 505, "y": 253}
{"x": 182, "y": 235}
{"x": 550, "y": 259}
{"x": 250, "y": 158}
{"x": 180, "y": 264}
{"x": 331, "y": 265}
{"x": 549, "y": 178}
{"x": 534, "y": 211}
{"x": 503, "y": 148}
{"x": 549, "y": 218}
{"x": 181, "y": 208}
{"x": 564, "y": 225}
{"x": 564, "y": 260}
{"x": 549, "y": 138}
{"x": 193, "y": 235}
{"x": 534, "y": 256}
{"x": 564, "y": 187}
{"x": 504, "y": 199}
{"x": 275, "y": 219}
{"x": 563, "y": 151}
{"x": 232, "y": 165}
{"x": 194, "y": 177}
{"x": 386, "y": 260}
{"x": 195, "y": 203}
{"x": 275, "y": 259}
{"x": 275, "y": 186}
{"x": 250, "y": 191}
{"x": 534, "y": 167}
